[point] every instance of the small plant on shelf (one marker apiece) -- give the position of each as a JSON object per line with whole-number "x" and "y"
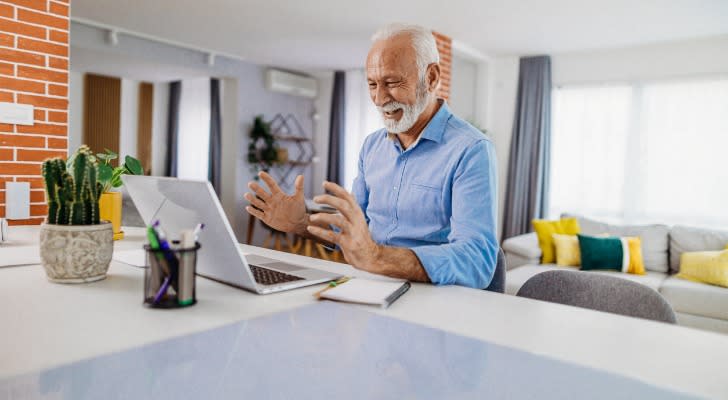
{"x": 263, "y": 149}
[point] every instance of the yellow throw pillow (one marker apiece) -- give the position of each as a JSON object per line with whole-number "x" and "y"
{"x": 636, "y": 262}
{"x": 545, "y": 230}
{"x": 567, "y": 250}
{"x": 705, "y": 266}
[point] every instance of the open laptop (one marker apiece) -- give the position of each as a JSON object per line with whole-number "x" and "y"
{"x": 181, "y": 204}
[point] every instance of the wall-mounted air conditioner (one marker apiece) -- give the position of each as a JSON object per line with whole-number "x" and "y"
{"x": 286, "y": 82}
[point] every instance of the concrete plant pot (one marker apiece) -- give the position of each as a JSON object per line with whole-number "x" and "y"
{"x": 76, "y": 253}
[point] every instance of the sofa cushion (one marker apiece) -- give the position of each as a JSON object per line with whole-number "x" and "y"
{"x": 516, "y": 277}
{"x": 654, "y": 239}
{"x": 684, "y": 238}
{"x": 696, "y": 298}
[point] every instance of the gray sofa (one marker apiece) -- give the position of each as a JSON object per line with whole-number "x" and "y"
{"x": 697, "y": 305}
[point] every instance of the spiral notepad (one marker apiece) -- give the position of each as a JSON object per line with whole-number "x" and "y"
{"x": 367, "y": 291}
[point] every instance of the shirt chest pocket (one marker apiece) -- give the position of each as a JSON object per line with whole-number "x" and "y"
{"x": 423, "y": 205}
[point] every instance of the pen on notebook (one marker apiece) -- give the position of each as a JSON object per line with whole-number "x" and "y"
{"x": 332, "y": 284}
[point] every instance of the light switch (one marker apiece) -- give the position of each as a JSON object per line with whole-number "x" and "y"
{"x": 19, "y": 114}
{"x": 17, "y": 200}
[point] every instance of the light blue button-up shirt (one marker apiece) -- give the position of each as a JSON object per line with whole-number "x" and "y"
{"x": 437, "y": 198}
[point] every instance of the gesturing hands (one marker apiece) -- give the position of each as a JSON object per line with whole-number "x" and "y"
{"x": 353, "y": 237}
{"x": 277, "y": 209}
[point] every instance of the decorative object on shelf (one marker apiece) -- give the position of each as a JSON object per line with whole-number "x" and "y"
{"x": 75, "y": 245}
{"x": 262, "y": 150}
{"x": 299, "y": 147}
{"x": 110, "y": 179}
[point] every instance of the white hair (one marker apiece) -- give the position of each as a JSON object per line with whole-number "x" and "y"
{"x": 422, "y": 41}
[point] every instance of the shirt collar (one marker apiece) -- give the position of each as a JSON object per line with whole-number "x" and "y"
{"x": 435, "y": 129}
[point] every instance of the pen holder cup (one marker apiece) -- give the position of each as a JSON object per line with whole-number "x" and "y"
{"x": 169, "y": 277}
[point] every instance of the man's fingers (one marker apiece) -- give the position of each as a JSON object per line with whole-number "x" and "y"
{"x": 338, "y": 191}
{"x": 257, "y": 202}
{"x": 256, "y": 213}
{"x": 331, "y": 219}
{"x": 299, "y": 186}
{"x": 340, "y": 204}
{"x": 270, "y": 182}
{"x": 325, "y": 234}
{"x": 259, "y": 191}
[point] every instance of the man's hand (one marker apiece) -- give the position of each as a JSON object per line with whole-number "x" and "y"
{"x": 353, "y": 238}
{"x": 277, "y": 209}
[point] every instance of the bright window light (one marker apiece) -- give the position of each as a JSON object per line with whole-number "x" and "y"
{"x": 193, "y": 147}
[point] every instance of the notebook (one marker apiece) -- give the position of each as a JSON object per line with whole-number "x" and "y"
{"x": 366, "y": 291}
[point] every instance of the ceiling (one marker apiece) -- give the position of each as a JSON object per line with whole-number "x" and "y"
{"x": 326, "y": 34}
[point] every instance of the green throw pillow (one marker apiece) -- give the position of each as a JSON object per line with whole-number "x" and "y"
{"x": 601, "y": 253}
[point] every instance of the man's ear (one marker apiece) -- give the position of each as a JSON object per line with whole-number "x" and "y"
{"x": 433, "y": 76}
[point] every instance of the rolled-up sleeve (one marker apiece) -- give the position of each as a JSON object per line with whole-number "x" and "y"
{"x": 470, "y": 256}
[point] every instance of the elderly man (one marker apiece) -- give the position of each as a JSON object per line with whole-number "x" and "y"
{"x": 423, "y": 205}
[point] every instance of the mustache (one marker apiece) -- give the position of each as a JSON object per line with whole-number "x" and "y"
{"x": 391, "y": 106}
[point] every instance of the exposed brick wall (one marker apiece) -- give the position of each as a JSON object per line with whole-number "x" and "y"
{"x": 33, "y": 70}
{"x": 444, "y": 46}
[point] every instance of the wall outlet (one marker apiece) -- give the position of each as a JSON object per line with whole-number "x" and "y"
{"x": 17, "y": 200}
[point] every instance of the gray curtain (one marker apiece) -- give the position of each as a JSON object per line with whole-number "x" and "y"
{"x": 214, "y": 165}
{"x": 336, "y": 129}
{"x": 175, "y": 91}
{"x": 527, "y": 185}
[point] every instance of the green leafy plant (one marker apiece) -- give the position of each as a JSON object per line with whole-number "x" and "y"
{"x": 262, "y": 150}
{"x": 72, "y": 189}
{"x": 109, "y": 176}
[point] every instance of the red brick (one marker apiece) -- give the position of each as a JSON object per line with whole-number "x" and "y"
{"x": 7, "y": 40}
{"x": 12, "y": 26}
{"x": 58, "y": 36}
{"x": 35, "y": 183}
{"x": 12, "y": 168}
{"x": 22, "y": 141}
{"x": 37, "y": 196}
{"x": 40, "y": 5}
{"x": 43, "y": 129}
{"x": 58, "y": 90}
{"x": 38, "y": 209}
{"x": 31, "y": 221}
{"x": 4, "y": 179}
{"x": 2, "y": 213}
{"x": 58, "y": 9}
{"x": 57, "y": 116}
{"x": 6, "y": 154}
{"x": 57, "y": 143}
{"x": 7, "y": 69}
{"x": 2, "y": 196}
{"x": 42, "y": 101}
{"x": 6, "y": 127}
{"x": 21, "y": 85}
{"x": 59, "y": 63}
{"x": 42, "y": 19}
{"x": 6, "y": 10}
{"x": 39, "y": 115}
{"x": 41, "y": 46}
{"x": 42, "y": 74}
{"x": 21, "y": 57}
{"x": 38, "y": 155}
{"x": 6, "y": 96}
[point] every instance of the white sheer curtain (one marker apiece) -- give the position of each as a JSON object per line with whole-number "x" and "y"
{"x": 193, "y": 148}
{"x": 644, "y": 152}
{"x": 361, "y": 120}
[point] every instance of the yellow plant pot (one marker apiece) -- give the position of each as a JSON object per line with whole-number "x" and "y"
{"x": 110, "y": 210}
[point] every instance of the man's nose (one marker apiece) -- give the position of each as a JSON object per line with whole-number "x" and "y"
{"x": 381, "y": 96}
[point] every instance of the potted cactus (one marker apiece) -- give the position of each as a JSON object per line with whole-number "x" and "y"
{"x": 75, "y": 246}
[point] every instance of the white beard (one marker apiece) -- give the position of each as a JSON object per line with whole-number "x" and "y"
{"x": 410, "y": 113}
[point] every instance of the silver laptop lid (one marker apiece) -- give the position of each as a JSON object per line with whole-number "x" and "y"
{"x": 181, "y": 204}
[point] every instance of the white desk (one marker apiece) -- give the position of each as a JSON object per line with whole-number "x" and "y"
{"x": 47, "y": 325}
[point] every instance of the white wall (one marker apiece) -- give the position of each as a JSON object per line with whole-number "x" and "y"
{"x": 75, "y": 110}
{"x": 463, "y": 87}
{"x": 322, "y": 106}
{"x": 128, "y": 119}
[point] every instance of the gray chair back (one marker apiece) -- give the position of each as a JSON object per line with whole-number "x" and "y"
{"x": 598, "y": 292}
{"x": 498, "y": 284}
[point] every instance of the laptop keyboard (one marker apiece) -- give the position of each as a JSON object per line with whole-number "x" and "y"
{"x": 266, "y": 276}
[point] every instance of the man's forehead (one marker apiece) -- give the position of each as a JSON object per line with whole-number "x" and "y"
{"x": 391, "y": 56}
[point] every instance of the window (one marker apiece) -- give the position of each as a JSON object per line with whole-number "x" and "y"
{"x": 644, "y": 152}
{"x": 193, "y": 148}
{"x": 362, "y": 119}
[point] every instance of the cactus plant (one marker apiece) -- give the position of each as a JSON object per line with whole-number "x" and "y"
{"x": 72, "y": 189}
